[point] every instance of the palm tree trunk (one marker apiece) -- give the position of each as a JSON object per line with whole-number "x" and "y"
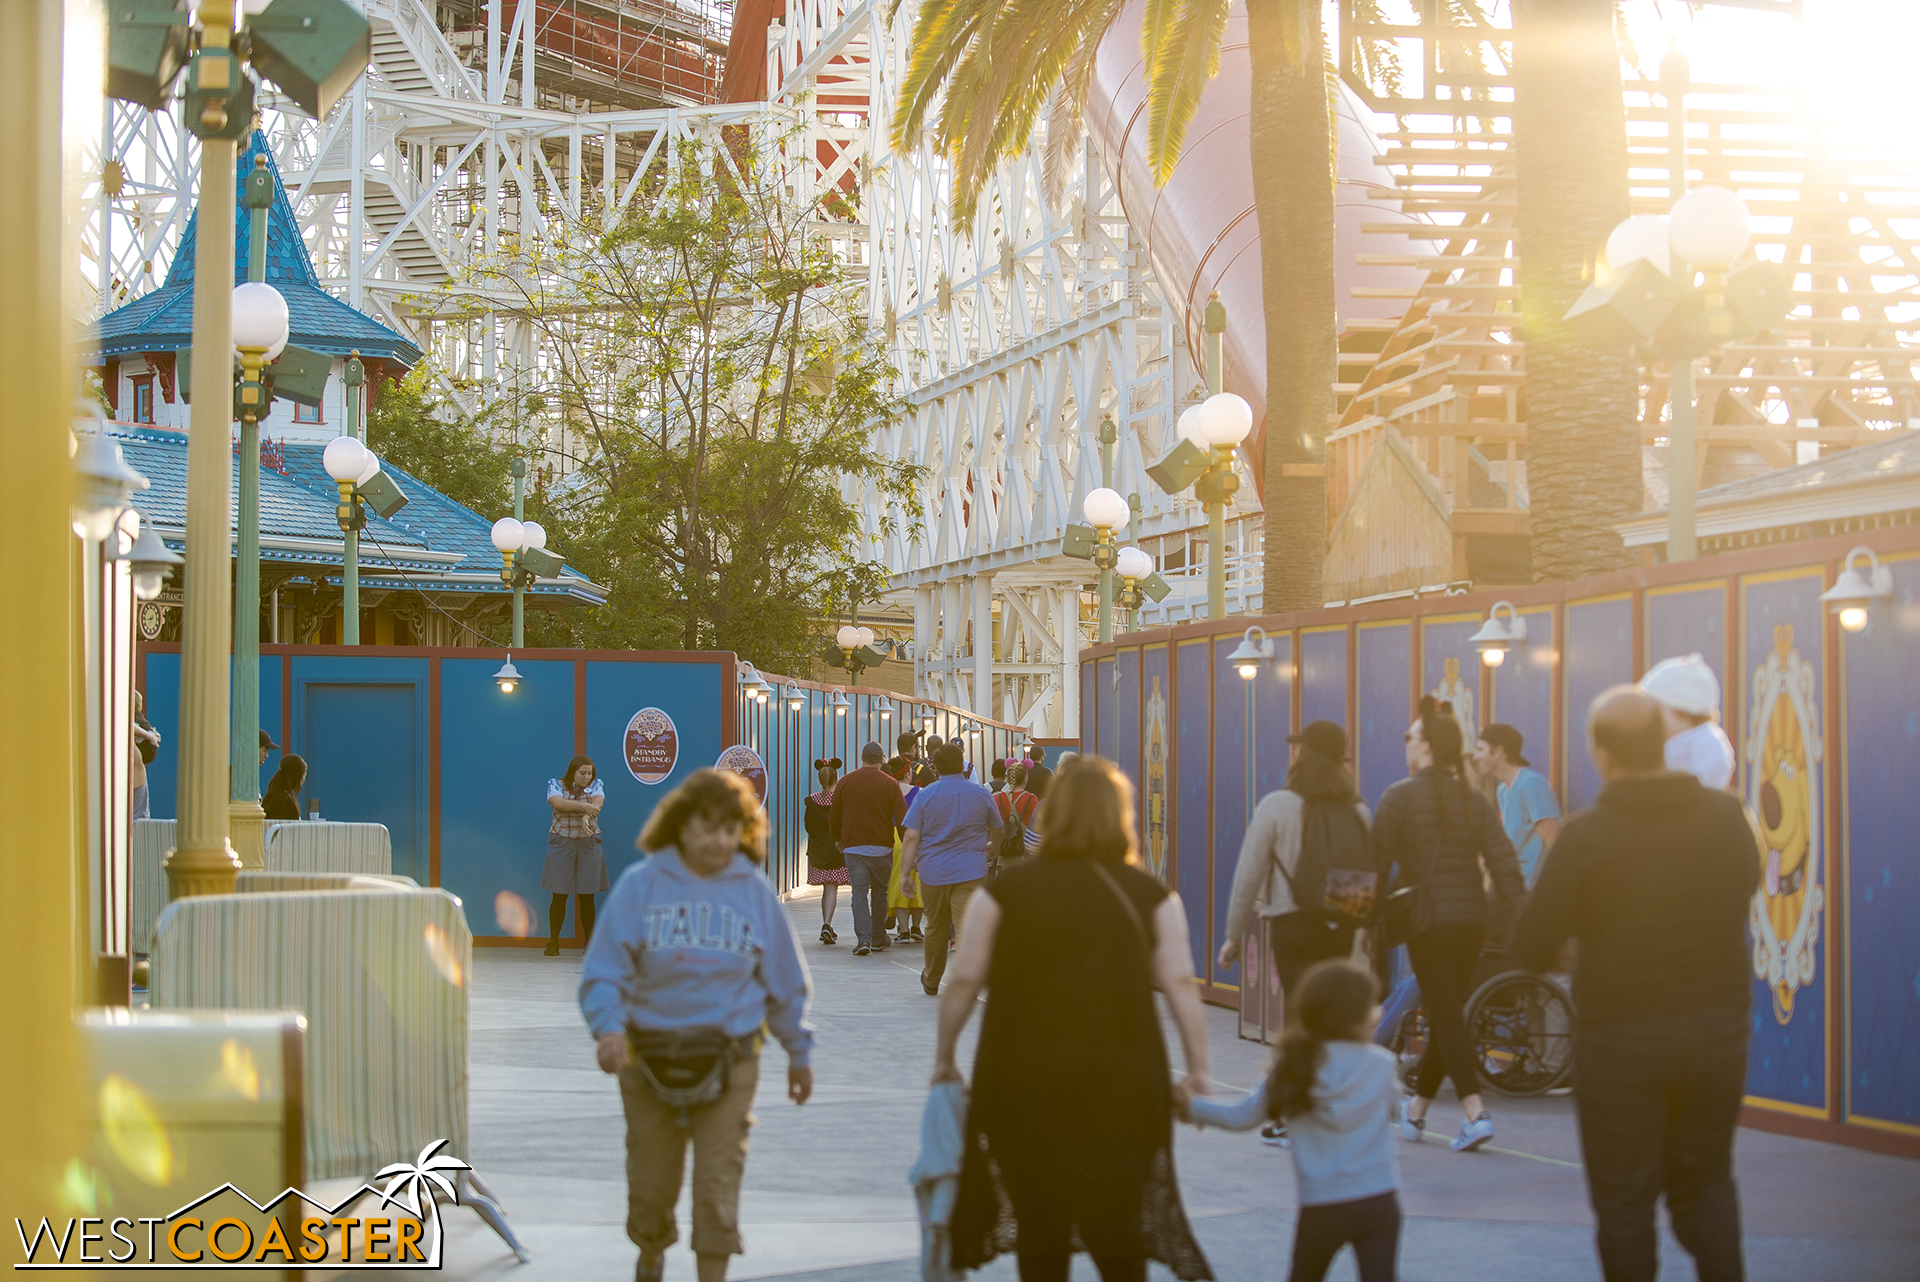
{"x": 1570, "y": 148}
{"x": 1293, "y": 192}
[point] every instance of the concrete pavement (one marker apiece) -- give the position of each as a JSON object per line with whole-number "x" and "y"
{"x": 826, "y": 1198}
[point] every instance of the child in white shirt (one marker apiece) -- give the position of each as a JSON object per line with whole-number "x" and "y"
{"x": 1336, "y": 1092}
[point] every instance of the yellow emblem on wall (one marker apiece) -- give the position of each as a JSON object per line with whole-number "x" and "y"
{"x": 1783, "y": 747}
{"x": 1157, "y": 782}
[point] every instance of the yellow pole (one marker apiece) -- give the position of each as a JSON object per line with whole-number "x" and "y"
{"x": 202, "y": 863}
{"x": 40, "y": 763}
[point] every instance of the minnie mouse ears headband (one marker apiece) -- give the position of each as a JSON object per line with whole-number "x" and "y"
{"x": 822, "y": 762}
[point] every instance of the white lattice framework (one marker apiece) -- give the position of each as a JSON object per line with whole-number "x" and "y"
{"x": 1014, "y": 336}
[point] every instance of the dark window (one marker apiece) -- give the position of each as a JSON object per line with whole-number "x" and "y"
{"x": 143, "y": 399}
{"x": 306, "y": 413}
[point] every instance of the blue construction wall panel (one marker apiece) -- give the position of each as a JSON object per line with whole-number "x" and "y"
{"x": 1783, "y": 780}
{"x": 1126, "y": 714}
{"x": 1153, "y": 788}
{"x": 1192, "y": 713}
{"x": 1683, "y": 621}
{"x": 162, "y": 692}
{"x": 362, "y": 724}
{"x": 1450, "y": 670}
{"x": 1233, "y": 791}
{"x": 687, "y": 692}
{"x": 1522, "y": 694}
{"x": 1323, "y": 676}
{"x": 1106, "y": 717}
{"x": 1377, "y": 740}
{"x": 497, "y": 752}
{"x": 1273, "y": 717}
{"x": 1880, "y": 737}
{"x": 1599, "y": 654}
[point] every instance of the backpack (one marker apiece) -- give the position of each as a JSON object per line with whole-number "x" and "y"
{"x": 1013, "y": 843}
{"x": 1335, "y": 875}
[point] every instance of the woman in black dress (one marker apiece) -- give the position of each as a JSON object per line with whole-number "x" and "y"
{"x": 826, "y": 866}
{"x": 1070, "y": 1128}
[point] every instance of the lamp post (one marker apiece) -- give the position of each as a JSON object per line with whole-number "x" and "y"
{"x": 1854, "y": 592}
{"x": 351, "y": 465}
{"x": 1107, "y": 513}
{"x": 260, "y": 331}
{"x": 1132, "y": 565}
{"x": 1647, "y": 296}
{"x": 312, "y": 50}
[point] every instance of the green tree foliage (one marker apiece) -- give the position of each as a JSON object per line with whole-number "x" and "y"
{"x": 710, "y": 361}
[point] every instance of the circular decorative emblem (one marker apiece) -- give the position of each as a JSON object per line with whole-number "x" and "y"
{"x": 652, "y": 745}
{"x": 743, "y": 760}
{"x": 151, "y": 617}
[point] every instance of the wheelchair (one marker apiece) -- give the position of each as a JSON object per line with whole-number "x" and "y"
{"x": 1521, "y": 1025}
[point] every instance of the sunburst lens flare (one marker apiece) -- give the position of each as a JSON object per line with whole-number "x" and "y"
{"x": 239, "y": 1070}
{"x": 135, "y": 1132}
{"x": 445, "y": 957}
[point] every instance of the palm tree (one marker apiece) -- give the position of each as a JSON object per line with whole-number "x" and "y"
{"x": 1570, "y": 151}
{"x": 412, "y": 1185}
{"x": 998, "y": 61}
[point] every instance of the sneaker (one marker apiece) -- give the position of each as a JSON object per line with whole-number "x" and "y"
{"x": 861, "y": 950}
{"x": 826, "y": 935}
{"x": 904, "y": 937}
{"x": 553, "y": 950}
{"x": 889, "y": 922}
{"x": 641, "y": 1273}
{"x": 1412, "y": 1129}
{"x": 1473, "y": 1134}
{"x": 881, "y": 943}
{"x": 1275, "y": 1133}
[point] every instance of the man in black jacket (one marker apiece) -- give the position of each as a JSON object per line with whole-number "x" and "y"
{"x": 1653, "y": 883}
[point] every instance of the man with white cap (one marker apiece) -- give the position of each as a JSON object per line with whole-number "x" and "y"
{"x": 1688, "y": 693}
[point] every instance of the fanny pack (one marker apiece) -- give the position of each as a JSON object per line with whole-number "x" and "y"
{"x": 687, "y": 1069}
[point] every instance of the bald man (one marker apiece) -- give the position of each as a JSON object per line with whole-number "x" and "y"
{"x": 1653, "y": 884}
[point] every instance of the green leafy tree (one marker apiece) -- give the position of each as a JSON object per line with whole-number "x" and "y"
{"x": 718, "y": 384}
{"x": 990, "y": 66}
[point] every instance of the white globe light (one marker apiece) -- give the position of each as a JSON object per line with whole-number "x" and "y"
{"x": 1641, "y": 237}
{"x": 345, "y": 458}
{"x": 259, "y": 318}
{"x": 533, "y": 535}
{"x": 866, "y": 635}
{"x": 371, "y": 470}
{"x": 1134, "y": 564}
{"x": 1105, "y": 509}
{"x": 1225, "y": 419}
{"x": 1709, "y": 227}
{"x": 847, "y": 637}
{"x": 509, "y": 535}
{"x": 1189, "y": 426}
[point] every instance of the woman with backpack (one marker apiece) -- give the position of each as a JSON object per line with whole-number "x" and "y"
{"x": 1015, "y": 802}
{"x": 1306, "y": 866}
{"x": 1312, "y": 906}
{"x": 1433, "y": 834}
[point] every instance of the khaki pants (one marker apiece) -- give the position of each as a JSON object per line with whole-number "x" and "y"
{"x": 946, "y": 908}
{"x": 657, "y": 1158}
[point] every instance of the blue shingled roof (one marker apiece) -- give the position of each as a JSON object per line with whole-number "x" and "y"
{"x": 162, "y": 321}
{"x": 301, "y": 505}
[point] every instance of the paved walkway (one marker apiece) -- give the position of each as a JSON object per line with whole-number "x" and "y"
{"x": 826, "y": 1198}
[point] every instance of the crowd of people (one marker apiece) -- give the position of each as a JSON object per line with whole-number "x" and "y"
{"x": 1033, "y": 897}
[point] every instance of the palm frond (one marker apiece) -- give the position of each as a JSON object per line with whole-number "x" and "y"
{"x": 1187, "y": 56}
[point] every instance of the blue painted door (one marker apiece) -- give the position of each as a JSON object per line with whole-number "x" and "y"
{"x": 362, "y": 745}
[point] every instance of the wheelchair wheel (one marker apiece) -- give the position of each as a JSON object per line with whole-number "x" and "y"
{"x": 1522, "y": 1030}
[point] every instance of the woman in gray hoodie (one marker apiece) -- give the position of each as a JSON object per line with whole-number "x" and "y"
{"x": 693, "y": 954}
{"x": 1336, "y": 1092}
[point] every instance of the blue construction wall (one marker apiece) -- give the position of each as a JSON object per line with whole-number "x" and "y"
{"x": 1825, "y": 724}
{"x": 423, "y": 741}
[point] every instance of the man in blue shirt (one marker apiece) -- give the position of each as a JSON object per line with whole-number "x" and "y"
{"x": 1528, "y": 809}
{"x": 951, "y": 828}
